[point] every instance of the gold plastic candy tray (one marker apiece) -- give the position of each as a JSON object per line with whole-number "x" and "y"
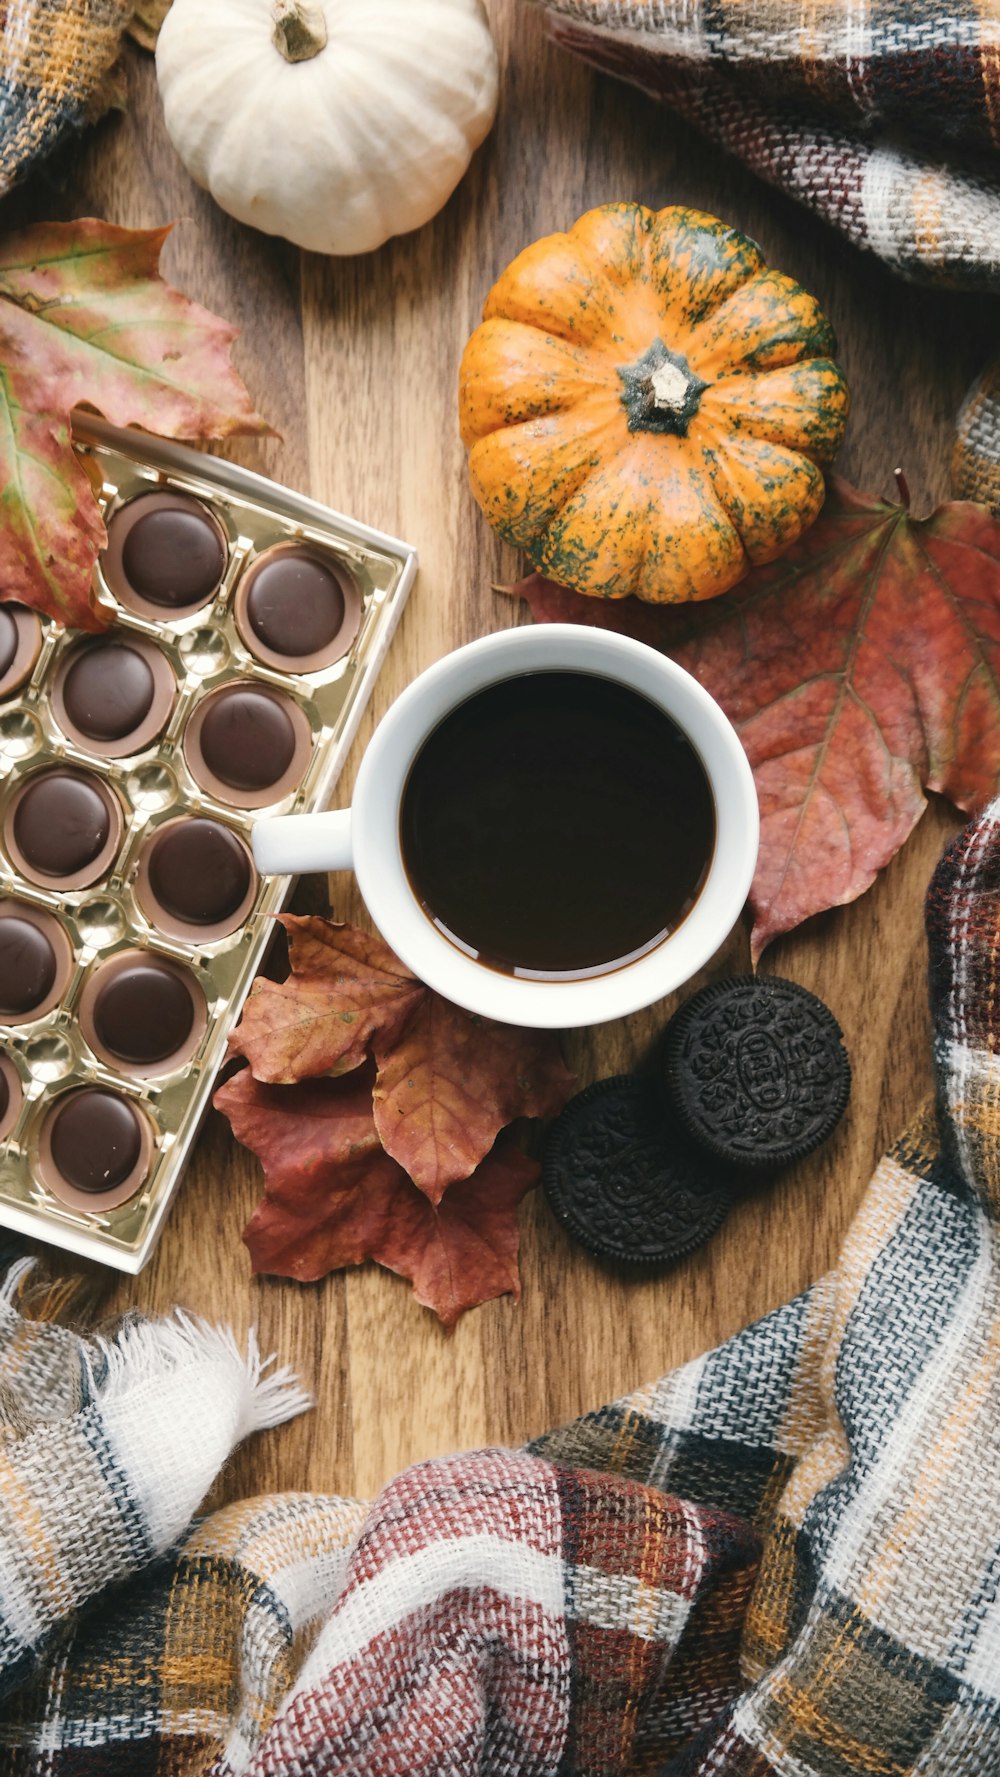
{"x": 49, "y": 1055}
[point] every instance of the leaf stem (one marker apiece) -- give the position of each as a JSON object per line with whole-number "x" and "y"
{"x": 903, "y": 488}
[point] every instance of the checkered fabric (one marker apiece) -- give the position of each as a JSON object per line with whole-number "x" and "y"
{"x": 975, "y": 461}
{"x": 883, "y": 117}
{"x": 783, "y": 1560}
{"x": 56, "y": 73}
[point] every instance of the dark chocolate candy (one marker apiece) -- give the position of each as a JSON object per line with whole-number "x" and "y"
{"x": 108, "y": 691}
{"x": 295, "y": 604}
{"x": 8, "y": 641}
{"x": 173, "y": 556}
{"x": 756, "y": 1070}
{"x": 61, "y": 823}
{"x": 199, "y": 871}
{"x": 96, "y": 1140}
{"x": 27, "y": 966}
{"x": 625, "y": 1181}
{"x": 4, "y": 1096}
{"x": 247, "y": 738}
{"x": 144, "y": 1013}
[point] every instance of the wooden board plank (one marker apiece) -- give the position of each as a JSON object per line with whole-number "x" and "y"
{"x": 356, "y": 363}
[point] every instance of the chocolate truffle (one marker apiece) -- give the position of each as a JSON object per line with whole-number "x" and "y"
{"x": 8, "y": 641}
{"x": 246, "y": 738}
{"x": 144, "y": 1012}
{"x": 296, "y": 609}
{"x": 625, "y": 1182}
{"x": 166, "y": 554}
{"x": 199, "y": 871}
{"x": 27, "y": 966}
{"x": 756, "y": 1071}
{"x": 295, "y": 604}
{"x": 36, "y": 961}
{"x": 20, "y": 646}
{"x": 173, "y": 556}
{"x": 108, "y": 690}
{"x": 62, "y": 823}
{"x": 113, "y": 697}
{"x": 95, "y": 1140}
{"x": 248, "y": 745}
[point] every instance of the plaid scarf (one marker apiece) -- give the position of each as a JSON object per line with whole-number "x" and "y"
{"x": 783, "y": 1560}
{"x": 56, "y": 74}
{"x": 883, "y": 118}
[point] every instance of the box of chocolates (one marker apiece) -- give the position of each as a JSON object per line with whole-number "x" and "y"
{"x": 246, "y": 627}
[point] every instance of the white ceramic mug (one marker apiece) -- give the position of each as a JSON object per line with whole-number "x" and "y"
{"x": 365, "y": 837}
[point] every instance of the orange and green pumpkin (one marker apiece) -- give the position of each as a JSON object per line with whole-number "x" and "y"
{"x": 646, "y": 405}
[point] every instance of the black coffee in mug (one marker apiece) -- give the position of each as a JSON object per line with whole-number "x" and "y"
{"x": 557, "y": 824}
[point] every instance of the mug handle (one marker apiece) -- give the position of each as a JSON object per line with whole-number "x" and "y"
{"x": 291, "y": 844}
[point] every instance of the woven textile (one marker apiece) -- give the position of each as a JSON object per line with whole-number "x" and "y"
{"x": 56, "y": 72}
{"x": 781, "y": 1561}
{"x": 884, "y": 117}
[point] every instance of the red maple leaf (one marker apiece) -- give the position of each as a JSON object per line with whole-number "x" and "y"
{"x": 345, "y": 987}
{"x": 452, "y": 1081}
{"x": 333, "y": 1197}
{"x": 447, "y": 1081}
{"x": 859, "y": 670}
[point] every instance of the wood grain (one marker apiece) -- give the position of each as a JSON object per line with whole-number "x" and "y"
{"x": 356, "y": 362}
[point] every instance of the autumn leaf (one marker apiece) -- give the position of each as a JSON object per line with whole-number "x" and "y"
{"x": 462, "y": 1251}
{"x": 333, "y": 1197}
{"x": 452, "y": 1082}
{"x": 447, "y": 1081}
{"x": 86, "y": 319}
{"x": 344, "y": 987}
{"x": 859, "y": 670}
{"x": 375, "y": 1106}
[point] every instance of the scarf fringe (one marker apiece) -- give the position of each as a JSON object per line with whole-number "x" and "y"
{"x": 141, "y": 1353}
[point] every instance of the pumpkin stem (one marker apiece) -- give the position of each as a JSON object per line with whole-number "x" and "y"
{"x": 660, "y": 391}
{"x": 669, "y": 387}
{"x": 299, "y": 29}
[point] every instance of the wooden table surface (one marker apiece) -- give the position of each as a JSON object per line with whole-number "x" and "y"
{"x": 355, "y": 362}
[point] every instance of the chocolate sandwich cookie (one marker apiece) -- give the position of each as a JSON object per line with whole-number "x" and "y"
{"x": 756, "y": 1071}
{"x": 625, "y": 1181}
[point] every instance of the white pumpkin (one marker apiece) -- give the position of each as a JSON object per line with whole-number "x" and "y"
{"x": 336, "y": 123}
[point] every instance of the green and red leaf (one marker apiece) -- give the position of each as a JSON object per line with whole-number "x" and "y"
{"x": 87, "y": 320}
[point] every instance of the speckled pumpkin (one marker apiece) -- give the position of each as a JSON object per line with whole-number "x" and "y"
{"x": 646, "y": 405}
